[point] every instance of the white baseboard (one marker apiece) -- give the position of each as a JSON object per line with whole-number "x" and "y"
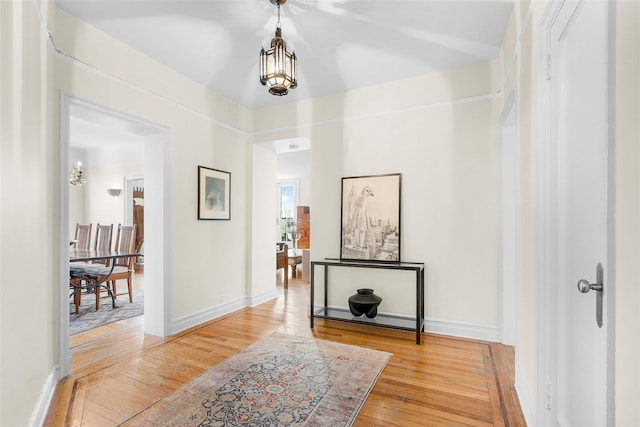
{"x": 524, "y": 396}
{"x": 187, "y": 321}
{"x": 259, "y": 299}
{"x": 44, "y": 400}
{"x": 194, "y": 319}
{"x": 476, "y": 331}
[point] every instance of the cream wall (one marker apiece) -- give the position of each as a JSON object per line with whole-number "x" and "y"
{"x": 101, "y": 207}
{"x": 521, "y": 66}
{"x": 202, "y": 264}
{"x": 294, "y": 165}
{"x": 28, "y": 215}
{"x": 627, "y": 212}
{"x": 263, "y": 200}
{"x": 439, "y": 131}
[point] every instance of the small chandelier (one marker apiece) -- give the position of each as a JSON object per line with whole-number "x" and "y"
{"x": 76, "y": 176}
{"x": 277, "y": 65}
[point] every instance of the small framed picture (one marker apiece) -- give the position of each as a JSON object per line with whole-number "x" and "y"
{"x": 371, "y": 218}
{"x": 214, "y": 194}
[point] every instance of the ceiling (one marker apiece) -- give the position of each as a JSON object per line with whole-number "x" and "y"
{"x": 102, "y": 137}
{"x": 340, "y": 44}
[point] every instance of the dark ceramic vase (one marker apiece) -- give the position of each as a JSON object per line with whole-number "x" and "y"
{"x": 364, "y": 302}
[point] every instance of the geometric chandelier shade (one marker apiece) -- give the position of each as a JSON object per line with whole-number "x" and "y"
{"x": 278, "y": 69}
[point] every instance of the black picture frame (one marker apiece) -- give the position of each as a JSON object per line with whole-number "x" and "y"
{"x": 214, "y": 194}
{"x": 370, "y": 218}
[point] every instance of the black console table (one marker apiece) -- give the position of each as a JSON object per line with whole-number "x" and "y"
{"x": 390, "y": 321}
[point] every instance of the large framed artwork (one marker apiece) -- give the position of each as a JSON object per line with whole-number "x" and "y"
{"x": 214, "y": 194}
{"x": 370, "y": 224}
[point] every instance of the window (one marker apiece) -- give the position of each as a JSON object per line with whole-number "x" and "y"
{"x": 287, "y": 203}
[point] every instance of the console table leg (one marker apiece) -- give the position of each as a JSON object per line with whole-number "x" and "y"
{"x": 312, "y": 295}
{"x": 418, "y": 298}
{"x": 400, "y": 322}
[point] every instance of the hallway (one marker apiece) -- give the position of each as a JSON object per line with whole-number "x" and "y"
{"x": 117, "y": 371}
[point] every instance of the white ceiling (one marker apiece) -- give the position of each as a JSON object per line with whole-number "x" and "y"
{"x": 340, "y": 44}
{"x": 101, "y": 137}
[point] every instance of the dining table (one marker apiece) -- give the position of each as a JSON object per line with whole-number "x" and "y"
{"x": 84, "y": 273}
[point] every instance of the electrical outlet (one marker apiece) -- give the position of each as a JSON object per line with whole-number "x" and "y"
{"x": 221, "y": 299}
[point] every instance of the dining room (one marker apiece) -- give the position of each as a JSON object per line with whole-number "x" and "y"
{"x": 106, "y": 213}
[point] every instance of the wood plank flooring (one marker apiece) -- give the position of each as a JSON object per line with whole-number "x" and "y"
{"x": 118, "y": 371}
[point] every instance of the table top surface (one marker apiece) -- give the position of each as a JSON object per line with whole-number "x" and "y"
{"x": 371, "y": 264}
{"x": 95, "y": 255}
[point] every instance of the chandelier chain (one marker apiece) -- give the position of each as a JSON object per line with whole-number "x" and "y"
{"x": 278, "y": 69}
{"x": 278, "y": 25}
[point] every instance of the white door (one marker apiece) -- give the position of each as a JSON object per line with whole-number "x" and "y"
{"x": 579, "y": 99}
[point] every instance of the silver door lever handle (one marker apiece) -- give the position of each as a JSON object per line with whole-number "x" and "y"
{"x": 584, "y": 286}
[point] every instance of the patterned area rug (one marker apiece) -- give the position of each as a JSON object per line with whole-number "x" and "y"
{"x": 281, "y": 380}
{"x": 89, "y": 318}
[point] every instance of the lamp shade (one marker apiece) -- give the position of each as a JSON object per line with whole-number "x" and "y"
{"x": 114, "y": 192}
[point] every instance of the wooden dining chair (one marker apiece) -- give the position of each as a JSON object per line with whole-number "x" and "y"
{"x": 123, "y": 269}
{"x": 282, "y": 261}
{"x": 82, "y": 239}
{"x": 103, "y": 240}
{"x": 104, "y": 235}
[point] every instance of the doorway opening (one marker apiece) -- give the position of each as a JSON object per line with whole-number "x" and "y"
{"x": 292, "y": 195}
{"x": 154, "y": 147}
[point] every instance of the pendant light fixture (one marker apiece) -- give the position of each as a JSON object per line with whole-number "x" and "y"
{"x": 278, "y": 65}
{"x": 76, "y": 175}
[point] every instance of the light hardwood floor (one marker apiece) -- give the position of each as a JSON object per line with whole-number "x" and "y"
{"x": 117, "y": 370}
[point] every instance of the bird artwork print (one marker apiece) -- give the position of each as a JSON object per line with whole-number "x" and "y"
{"x": 370, "y": 226}
{"x": 358, "y": 220}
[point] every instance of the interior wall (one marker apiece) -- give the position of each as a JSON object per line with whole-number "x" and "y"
{"x": 439, "y": 131}
{"x": 28, "y": 215}
{"x": 304, "y": 187}
{"x": 627, "y": 211}
{"x": 100, "y": 207}
{"x": 263, "y": 200}
{"x": 203, "y": 132}
{"x": 520, "y": 49}
{"x": 294, "y": 165}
